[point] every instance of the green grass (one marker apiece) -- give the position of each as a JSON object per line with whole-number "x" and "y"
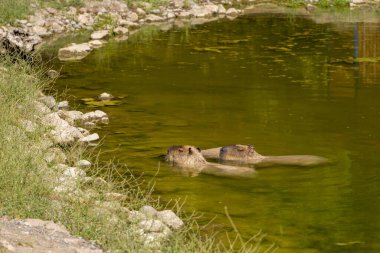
{"x": 333, "y": 3}
{"x": 10, "y": 10}
{"x": 27, "y": 181}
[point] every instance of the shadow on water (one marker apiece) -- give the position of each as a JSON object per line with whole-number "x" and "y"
{"x": 288, "y": 85}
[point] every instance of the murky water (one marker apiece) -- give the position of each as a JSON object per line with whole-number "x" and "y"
{"x": 286, "y": 84}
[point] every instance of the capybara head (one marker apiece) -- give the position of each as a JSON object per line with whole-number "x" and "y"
{"x": 185, "y": 156}
{"x": 237, "y": 152}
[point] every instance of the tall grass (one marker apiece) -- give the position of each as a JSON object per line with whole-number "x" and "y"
{"x": 10, "y": 10}
{"x": 27, "y": 180}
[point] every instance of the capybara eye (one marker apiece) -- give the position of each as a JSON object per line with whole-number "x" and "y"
{"x": 240, "y": 149}
{"x": 180, "y": 150}
{"x": 190, "y": 151}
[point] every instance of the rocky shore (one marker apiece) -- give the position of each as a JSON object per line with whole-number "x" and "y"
{"x": 109, "y": 18}
{"x": 66, "y": 129}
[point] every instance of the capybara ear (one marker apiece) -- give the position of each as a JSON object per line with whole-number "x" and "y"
{"x": 190, "y": 151}
{"x": 199, "y": 149}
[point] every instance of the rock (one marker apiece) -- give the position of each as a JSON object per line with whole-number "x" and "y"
{"x": 153, "y": 226}
{"x": 52, "y": 74}
{"x": 232, "y": 12}
{"x": 133, "y": 16}
{"x": 20, "y": 41}
{"x": 96, "y": 43}
{"x": 135, "y": 216}
{"x": 148, "y": 211}
{"x": 51, "y": 10}
{"x": 49, "y": 101}
{"x": 85, "y": 132}
{"x": 71, "y": 116}
{"x": 94, "y": 117}
{"x": 170, "y": 15}
{"x": 153, "y": 18}
{"x": 34, "y": 235}
{"x": 121, "y": 30}
{"x": 55, "y": 155}
{"x": 41, "y": 31}
{"x": 98, "y": 35}
{"x": 85, "y": 19}
{"x": 74, "y": 173}
{"x": 178, "y": 4}
{"x": 63, "y": 133}
{"x": 105, "y": 97}
{"x": 89, "y": 138}
{"x": 74, "y": 52}
{"x": 170, "y": 219}
{"x": 89, "y": 125}
{"x": 221, "y": 9}
{"x": 201, "y": 12}
{"x": 105, "y": 120}
{"x": 57, "y": 28}
{"x": 212, "y": 8}
{"x": 63, "y": 105}
{"x": 131, "y": 25}
{"x": 83, "y": 164}
{"x": 140, "y": 12}
{"x": 184, "y": 14}
{"x": 41, "y": 108}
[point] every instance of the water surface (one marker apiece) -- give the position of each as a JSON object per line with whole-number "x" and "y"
{"x": 284, "y": 83}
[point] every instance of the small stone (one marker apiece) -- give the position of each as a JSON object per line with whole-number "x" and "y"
{"x": 89, "y": 125}
{"x": 52, "y": 74}
{"x": 105, "y": 120}
{"x": 153, "y": 226}
{"x": 49, "y": 101}
{"x": 96, "y": 43}
{"x": 74, "y": 172}
{"x": 135, "y": 216}
{"x": 232, "y": 12}
{"x": 148, "y": 211}
{"x": 98, "y": 35}
{"x": 55, "y": 155}
{"x": 63, "y": 105}
{"x": 74, "y": 52}
{"x": 90, "y": 138}
{"x": 170, "y": 219}
{"x": 83, "y": 164}
{"x": 141, "y": 12}
{"x": 105, "y": 96}
{"x": 100, "y": 114}
{"x": 221, "y": 9}
{"x": 121, "y": 30}
{"x": 154, "y": 18}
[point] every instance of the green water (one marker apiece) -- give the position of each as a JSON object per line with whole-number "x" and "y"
{"x": 286, "y": 84}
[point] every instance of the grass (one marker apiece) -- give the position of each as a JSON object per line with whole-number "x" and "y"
{"x": 10, "y": 10}
{"x": 27, "y": 180}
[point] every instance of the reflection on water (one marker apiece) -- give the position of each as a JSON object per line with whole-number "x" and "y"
{"x": 283, "y": 83}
